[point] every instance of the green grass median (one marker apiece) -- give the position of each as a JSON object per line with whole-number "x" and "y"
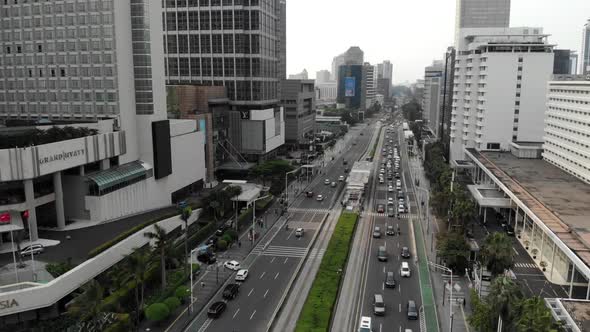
{"x": 317, "y": 311}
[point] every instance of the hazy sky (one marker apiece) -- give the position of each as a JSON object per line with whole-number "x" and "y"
{"x": 410, "y": 33}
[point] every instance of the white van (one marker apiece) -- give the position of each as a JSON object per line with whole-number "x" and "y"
{"x": 366, "y": 325}
{"x": 405, "y": 270}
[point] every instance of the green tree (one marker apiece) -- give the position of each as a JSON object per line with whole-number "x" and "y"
{"x": 463, "y": 207}
{"x": 87, "y": 306}
{"x": 172, "y": 303}
{"x": 504, "y": 300}
{"x": 412, "y": 111}
{"x": 157, "y": 312}
{"x": 454, "y": 249}
{"x": 496, "y": 253}
{"x": 348, "y": 117}
{"x": 535, "y": 317}
{"x": 160, "y": 247}
{"x": 480, "y": 317}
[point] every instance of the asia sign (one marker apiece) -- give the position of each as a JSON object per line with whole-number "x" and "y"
{"x": 349, "y": 86}
{"x": 7, "y": 304}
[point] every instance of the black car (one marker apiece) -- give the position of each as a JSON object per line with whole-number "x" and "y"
{"x": 508, "y": 229}
{"x": 405, "y": 252}
{"x": 231, "y": 291}
{"x": 216, "y": 309}
{"x": 207, "y": 258}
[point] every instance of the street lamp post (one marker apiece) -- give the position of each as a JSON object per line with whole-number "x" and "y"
{"x": 287, "y": 187}
{"x": 444, "y": 268}
{"x": 191, "y": 264}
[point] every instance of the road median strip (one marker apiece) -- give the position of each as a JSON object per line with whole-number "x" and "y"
{"x": 317, "y": 310}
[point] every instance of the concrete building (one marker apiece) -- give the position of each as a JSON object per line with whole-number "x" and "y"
{"x": 133, "y": 159}
{"x": 546, "y": 206}
{"x": 385, "y": 70}
{"x": 418, "y": 90}
{"x": 300, "y": 76}
{"x": 432, "y": 101}
{"x": 500, "y": 79}
{"x": 564, "y": 62}
{"x": 384, "y": 88}
{"x": 326, "y": 92}
{"x": 350, "y": 86}
{"x": 369, "y": 85}
{"x": 585, "y": 50}
{"x": 298, "y": 101}
{"x": 353, "y": 56}
{"x": 481, "y": 14}
{"x": 322, "y": 76}
{"x": 567, "y": 125}
{"x": 206, "y": 45}
{"x": 447, "y": 103}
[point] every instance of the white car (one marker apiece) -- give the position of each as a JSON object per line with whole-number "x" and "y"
{"x": 341, "y": 178}
{"x": 299, "y": 232}
{"x": 242, "y": 275}
{"x": 32, "y": 249}
{"x": 381, "y": 180}
{"x": 390, "y": 189}
{"x": 401, "y": 208}
{"x": 405, "y": 270}
{"x": 327, "y": 181}
{"x": 319, "y": 198}
{"x": 365, "y": 324}
{"x": 232, "y": 265}
{"x": 390, "y": 201}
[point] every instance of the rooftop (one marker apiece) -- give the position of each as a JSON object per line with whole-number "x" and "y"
{"x": 579, "y": 311}
{"x": 560, "y": 200}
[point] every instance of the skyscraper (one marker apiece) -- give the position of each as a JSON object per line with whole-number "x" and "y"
{"x": 239, "y": 45}
{"x": 433, "y": 89}
{"x": 353, "y": 56}
{"x": 481, "y": 14}
{"x": 585, "y": 53}
{"x": 385, "y": 70}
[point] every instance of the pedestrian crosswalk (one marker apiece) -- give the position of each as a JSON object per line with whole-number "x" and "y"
{"x": 526, "y": 265}
{"x": 401, "y": 216}
{"x": 281, "y": 251}
{"x": 317, "y": 254}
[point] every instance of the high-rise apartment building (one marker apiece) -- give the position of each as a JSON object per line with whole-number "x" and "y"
{"x": 239, "y": 45}
{"x": 564, "y": 62}
{"x": 432, "y": 101}
{"x": 499, "y": 88}
{"x": 369, "y": 84}
{"x": 567, "y": 123}
{"x": 322, "y": 76}
{"x": 481, "y": 14}
{"x": 96, "y": 65}
{"x": 353, "y": 56}
{"x": 447, "y": 102}
{"x": 585, "y": 52}
{"x": 385, "y": 70}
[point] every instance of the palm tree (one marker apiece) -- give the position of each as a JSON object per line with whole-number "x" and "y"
{"x": 88, "y": 305}
{"x": 535, "y": 317}
{"x": 496, "y": 253}
{"x": 504, "y": 300}
{"x": 161, "y": 247}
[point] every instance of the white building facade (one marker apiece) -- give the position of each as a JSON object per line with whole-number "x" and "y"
{"x": 499, "y": 88}
{"x": 585, "y": 53}
{"x": 567, "y": 125}
{"x": 98, "y": 64}
{"x": 326, "y": 92}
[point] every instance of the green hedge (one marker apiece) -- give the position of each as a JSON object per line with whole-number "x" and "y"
{"x": 123, "y": 324}
{"x": 122, "y": 236}
{"x": 263, "y": 203}
{"x": 200, "y": 235}
{"x": 125, "y": 295}
{"x": 317, "y": 311}
{"x": 175, "y": 279}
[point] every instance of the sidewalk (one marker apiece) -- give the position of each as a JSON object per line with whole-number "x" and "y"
{"x": 440, "y": 282}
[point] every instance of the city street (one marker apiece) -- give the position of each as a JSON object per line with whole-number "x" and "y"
{"x": 274, "y": 261}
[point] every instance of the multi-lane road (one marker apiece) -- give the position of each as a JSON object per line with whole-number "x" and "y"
{"x": 365, "y": 274}
{"x": 273, "y": 262}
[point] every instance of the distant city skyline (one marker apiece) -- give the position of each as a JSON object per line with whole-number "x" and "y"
{"x": 397, "y": 31}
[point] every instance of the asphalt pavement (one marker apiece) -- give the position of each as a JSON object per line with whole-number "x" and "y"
{"x": 273, "y": 262}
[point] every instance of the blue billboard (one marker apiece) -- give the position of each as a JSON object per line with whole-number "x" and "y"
{"x": 349, "y": 86}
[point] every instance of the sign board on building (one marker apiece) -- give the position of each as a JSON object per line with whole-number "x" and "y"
{"x": 349, "y": 86}
{"x": 61, "y": 155}
{"x": 245, "y": 115}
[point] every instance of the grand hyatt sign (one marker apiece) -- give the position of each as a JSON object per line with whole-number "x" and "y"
{"x": 62, "y": 156}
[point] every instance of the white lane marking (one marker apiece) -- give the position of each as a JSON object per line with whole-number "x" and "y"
{"x": 380, "y": 327}
{"x": 265, "y": 293}
{"x": 398, "y": 244}
{"x": 515, "y": 251}
{"x": 251, "y": 291}
{"x": 384, "y": 269}
{"x": 273, "y": 259}
{"x": 286, "y": 259}
{"x": 262, "y": 275}
{"x": 276, "y": 276}
{"x": 383, "y": 286}
{"x": 236, "y": 313}
{"x": 399, "y": 288}
{"x": 251, "y": 316}
{"x": 291, "y": 233}
{"x": 400, "y": 328}
{"x": 400, "y": 307}
{"x": 385, "y": 245}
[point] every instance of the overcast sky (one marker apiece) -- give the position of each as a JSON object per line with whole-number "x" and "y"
{"x": 410, "y": 33}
